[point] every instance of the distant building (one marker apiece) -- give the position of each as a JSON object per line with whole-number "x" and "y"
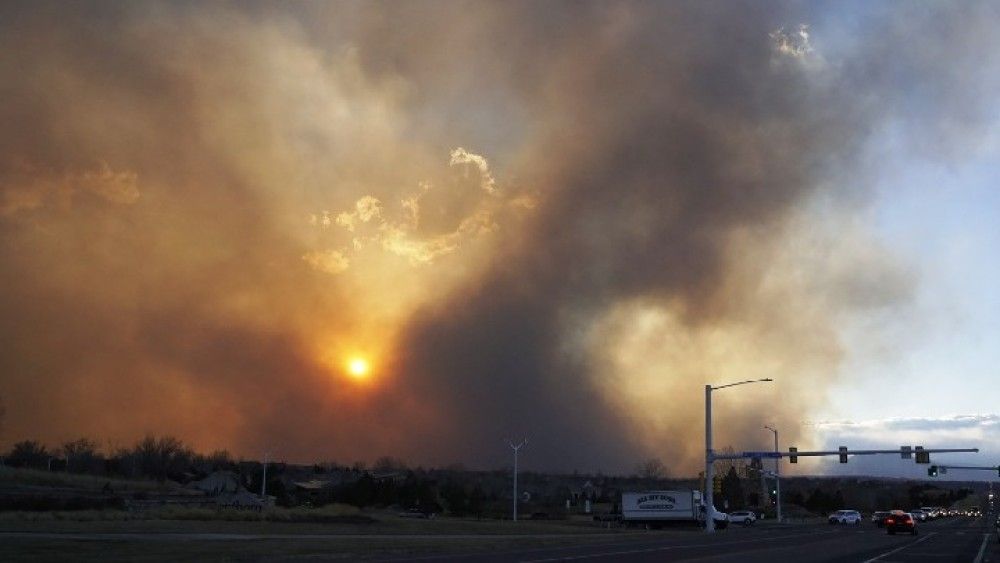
{"x": 219, "y": 482}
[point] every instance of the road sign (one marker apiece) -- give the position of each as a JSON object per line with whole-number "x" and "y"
{"x": 758, "y": 455}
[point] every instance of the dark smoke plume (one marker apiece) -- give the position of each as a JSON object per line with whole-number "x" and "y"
{"x": 205, "y": 208}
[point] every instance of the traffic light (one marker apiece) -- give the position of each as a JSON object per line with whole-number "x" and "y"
{"x": 921, "y": 455}
{"x": 998, "y": 471}
{"x": 843, "y": 454}
{"x": 932, "y": 471}
{"x": 792, "y": 458}
{"x": 717, "y": 485}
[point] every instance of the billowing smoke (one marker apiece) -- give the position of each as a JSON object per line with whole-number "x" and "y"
{"x": 547, "y": 220}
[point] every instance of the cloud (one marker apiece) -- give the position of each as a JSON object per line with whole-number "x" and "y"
{"x": 400, "y": 233}
{"x": 329, "y": 261}
{"x": 984, "y": 422}
{"x": 793, "y": 43}
{"x": 366, "y": 209}
{"x": 462, "y": 156}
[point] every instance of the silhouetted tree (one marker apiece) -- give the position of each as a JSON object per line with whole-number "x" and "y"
{"x": 82, "y": 456}
{"x": 28, "y": 453}
{"x": 652, "y": 468}
{"x": 455, "y": 497}
{"x": 732, "y": 489}
{"x": 161, "y": 458}
{"x": 477, "y": 501}
{"x": 387, "y": 464}
{"x": 820, "y": 502}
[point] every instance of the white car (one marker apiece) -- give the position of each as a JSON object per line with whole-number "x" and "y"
{"x": 852, "y": 517}
{"x": 745, "y": 517}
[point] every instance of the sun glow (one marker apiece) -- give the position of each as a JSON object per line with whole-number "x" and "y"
{"x": 359, "y": 368}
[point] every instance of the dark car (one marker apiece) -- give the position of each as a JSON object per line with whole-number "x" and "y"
{"x": 900, "y": 521}
{"x": 879, "y": 517}
{"x": 417, "y": 513}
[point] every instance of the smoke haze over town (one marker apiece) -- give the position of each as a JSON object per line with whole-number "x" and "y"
{"x": 338, "y": 231}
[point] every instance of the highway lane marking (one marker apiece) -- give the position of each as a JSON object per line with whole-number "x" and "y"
{"x": 666, "y": 548}
{"x": 982, "y": 549}
{"x": 898, "y": 549}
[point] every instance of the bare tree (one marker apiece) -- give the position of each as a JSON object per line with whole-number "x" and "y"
{"x": 722, "y": 466}
{"x": 161, "y": 457}
{"x": 80, "y": 454}
{"x": 28, "y": 453}
{"x": 652, "y": 468}
{"x": 387, "y": 464}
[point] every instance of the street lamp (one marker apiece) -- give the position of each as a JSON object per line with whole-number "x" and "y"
{"x": 516, "y": 449}
{"x": 710, "y": 454}
{"x": 777, "y": 474}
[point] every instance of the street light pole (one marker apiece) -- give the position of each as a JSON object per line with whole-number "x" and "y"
{"x": 516, "y": 448}
{"x": 777, "y": 474}
{"x": 710, "y": 454}
{"x": 709, "y": 463}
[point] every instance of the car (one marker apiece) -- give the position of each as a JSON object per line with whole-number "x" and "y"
{"x": 899, "y": 521}
{"x": 918, "y": 515}
{"x": 745, "y": 517}
{"x": 845, "y": 517}
{"x": 933, "y": 512}
{"x": 417, "y": 513}
{"x": 878, "y": 517}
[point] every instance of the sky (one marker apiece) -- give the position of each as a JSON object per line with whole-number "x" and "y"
{"x": 337, "y": 231}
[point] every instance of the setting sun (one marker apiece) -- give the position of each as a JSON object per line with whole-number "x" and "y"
{"x": 358, "y": 368}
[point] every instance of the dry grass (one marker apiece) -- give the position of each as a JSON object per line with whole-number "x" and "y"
{"x": 330, "y": 513}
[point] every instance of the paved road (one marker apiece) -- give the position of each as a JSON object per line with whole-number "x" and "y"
{"x": 954, "y": 539}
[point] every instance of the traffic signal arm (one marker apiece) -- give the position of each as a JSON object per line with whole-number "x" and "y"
{"x": 794, "y": 453}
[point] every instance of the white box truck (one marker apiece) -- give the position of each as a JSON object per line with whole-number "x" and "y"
{"x": 654, "y": 508}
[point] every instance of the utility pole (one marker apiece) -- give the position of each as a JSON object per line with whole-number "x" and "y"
{"x": 516, "y": 448}
{"x": 263, "y": 480}
{"x": 777, "y": 474}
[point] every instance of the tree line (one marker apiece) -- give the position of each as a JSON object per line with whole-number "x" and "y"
{"x": 152, "y": 457}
